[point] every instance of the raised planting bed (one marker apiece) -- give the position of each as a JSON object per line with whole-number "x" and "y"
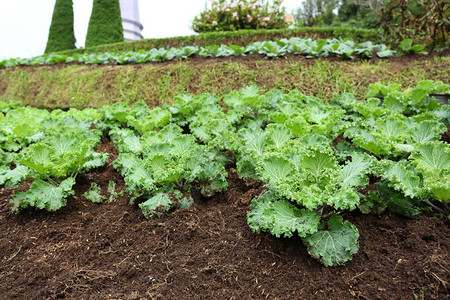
{"x": 240, "y": 37}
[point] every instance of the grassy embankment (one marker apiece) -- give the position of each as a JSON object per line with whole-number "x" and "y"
{"x": 157, "y": 83}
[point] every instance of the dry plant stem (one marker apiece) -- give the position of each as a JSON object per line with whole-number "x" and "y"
{"x": 434, "y": 207}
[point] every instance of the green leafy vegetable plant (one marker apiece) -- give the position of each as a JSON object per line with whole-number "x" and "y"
{"x": 407, "y": 47}
{"x": 51, "y": 152}
{"x": 95, "y": 194}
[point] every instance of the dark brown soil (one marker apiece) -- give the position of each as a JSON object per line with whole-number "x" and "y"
{"x": 110, "y": 251}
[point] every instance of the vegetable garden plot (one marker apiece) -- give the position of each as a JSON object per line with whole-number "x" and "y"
{"x": 284, "y": 140}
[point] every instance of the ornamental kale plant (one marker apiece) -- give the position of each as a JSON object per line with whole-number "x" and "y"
{"x": 54, "y": 163}
{"x": 159, "y": 162}
{"x": 51, "y": 152}
{"x": 224, "y": 15}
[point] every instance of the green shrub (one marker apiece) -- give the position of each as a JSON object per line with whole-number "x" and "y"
{"x": 61, "y": 35}
{"x": 105, "y": 25}
{"x": 425, "y": 22}
{"x": 224, "y": 15}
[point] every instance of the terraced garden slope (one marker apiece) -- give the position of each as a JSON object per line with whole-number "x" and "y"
{"x": 275, "y": 190}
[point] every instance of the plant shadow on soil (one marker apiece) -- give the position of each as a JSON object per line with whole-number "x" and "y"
{"x": 207, "y": 251}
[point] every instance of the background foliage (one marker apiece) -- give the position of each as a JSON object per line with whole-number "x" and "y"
{"x": 425, "y": 21}
{"x": 224, "y": 15}
{"x": 345, "y": 13}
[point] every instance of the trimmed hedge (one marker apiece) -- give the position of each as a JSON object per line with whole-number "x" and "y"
{"x": 241, "y": 38}
{"x": 61, "y": 35}
{"x": 105, "y": 24}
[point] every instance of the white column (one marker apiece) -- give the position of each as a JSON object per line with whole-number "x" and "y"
{"x": 132, "y": 26}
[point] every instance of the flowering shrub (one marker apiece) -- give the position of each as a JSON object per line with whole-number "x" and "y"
{"x": 224, "y": 15}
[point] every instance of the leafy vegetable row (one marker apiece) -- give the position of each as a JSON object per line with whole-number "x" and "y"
{"x": 298, "y": 46}
{"x": 317, "y": 160}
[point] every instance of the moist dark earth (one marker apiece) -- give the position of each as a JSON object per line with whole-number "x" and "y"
{"x": 207, "y": 251}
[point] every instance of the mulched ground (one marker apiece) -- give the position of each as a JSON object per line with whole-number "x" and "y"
{"x": 207, "y": 251}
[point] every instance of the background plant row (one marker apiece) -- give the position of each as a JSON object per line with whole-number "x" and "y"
{"x": 240, "y": 38}
{"x": 306, "y": 47}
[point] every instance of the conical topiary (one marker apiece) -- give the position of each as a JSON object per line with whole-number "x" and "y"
{"x": 105, "y": 25}
{"x": 61, "y": 35}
